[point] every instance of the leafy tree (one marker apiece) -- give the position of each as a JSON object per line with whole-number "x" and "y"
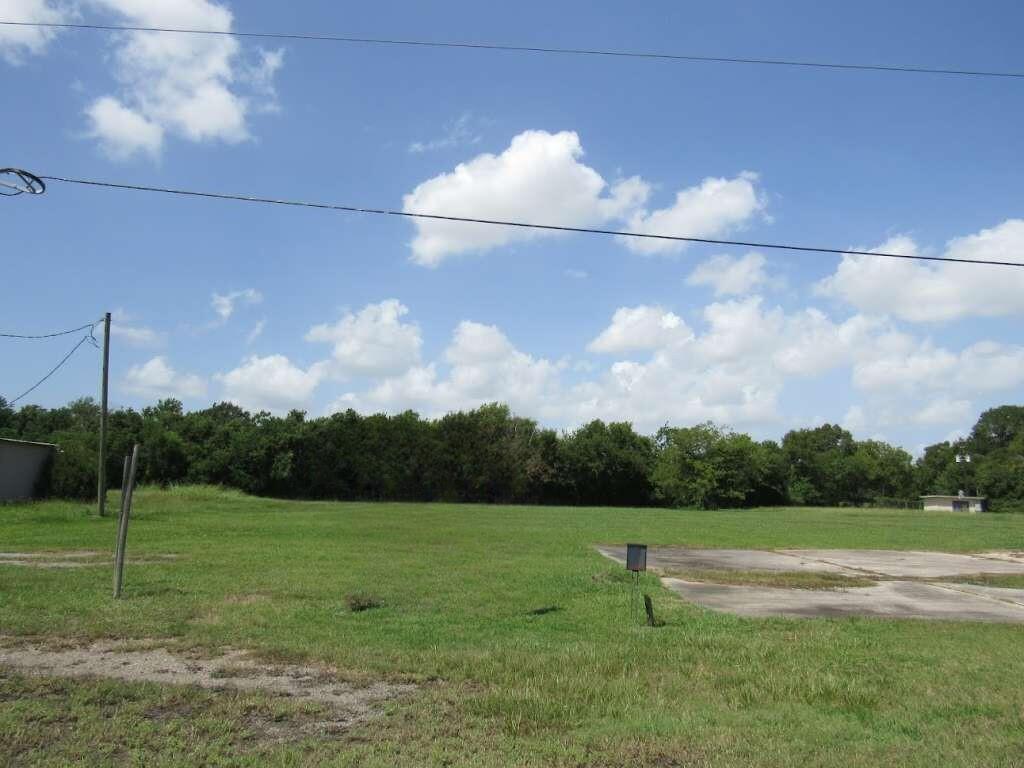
{"x": 711, "y": 467}
{"x": 609, "y": 464}
{"x": 820, "y": 468}
{"x": 996, "y": 429}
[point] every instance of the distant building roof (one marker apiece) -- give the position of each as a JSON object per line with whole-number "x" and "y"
{"x": 25, "y": 442}
{"x": 955, "y": 498}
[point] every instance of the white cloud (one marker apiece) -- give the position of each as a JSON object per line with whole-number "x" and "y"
{"x": 260, "y": 77}
{"x": 484, "y": 367}
{"x": 372, "y": 342}
{"x": 122, "y": 328}
{"x": 576, "y": 274}
{"x": 196, "y": 87}
{"x": 256, "y": 332}
{"x": 687, "y": 378}
{"x": 642, "y": 327}
{"x": 18, "y": 42}
{"x": 123, "y": 132}
{"x": 272, "y": 383}
{"x": 539, "y": 178}
{"x": 224, "y": 304}
{"x": 713, "y": 207}
{"x": 855, "y": 420}
{"x": 457, "y": 133}
{"x": 923, "y": 292}
{"x": 910, "y": 367}
{"x": 157, "y": 379}
{"x": 943, "y": 410}
{"x": 733, "y": 369}
{"x": 730, "y": 276}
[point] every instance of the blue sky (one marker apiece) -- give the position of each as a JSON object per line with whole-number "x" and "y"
{"x": 278, "y": 308}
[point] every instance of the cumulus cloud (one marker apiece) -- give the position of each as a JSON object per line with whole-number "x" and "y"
{"x": 484, "y": 366}
{"x": 16, "y": 43}
{"x": 910, "y": 367}
{"x": 224, "y": 304}
{"x": 732, "y": 370}
{"x": 157, "y": 379}
{"x": 686, "y": 376}
{"x": 642, "y": 327}
{"x": 729, "y": 276}
{"x": 944, "y": 410}
{"x": 538, "y": 178}
{"x": 731, "y": 367}
{"x": 709, "y": 209}
{"x": 123, "y": 329}
{"x": 123, "y": 132}
{"x": 196, "y": 87}
{"x": 923, "y": 292}
{"x": 272, "y": 383}
{"x": 371, "y": 342}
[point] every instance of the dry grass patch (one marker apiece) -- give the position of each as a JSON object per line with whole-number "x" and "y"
{"x": 787, "y": 579}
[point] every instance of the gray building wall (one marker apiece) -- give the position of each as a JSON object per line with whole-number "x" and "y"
{"x": 21, "y": 467}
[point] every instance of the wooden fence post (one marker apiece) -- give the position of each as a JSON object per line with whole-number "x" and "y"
{"x": 124, "y": 487}
{"x": 122, "y": 527}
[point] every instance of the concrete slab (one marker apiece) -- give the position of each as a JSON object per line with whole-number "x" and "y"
{"x": 1003, "y": 594}
{"x": 849, "y": 562}
{"x": 890, "y": 599}
{"x": 921, "y": 565}
{"x": 1013, "y": 557}
{"x": 680, "y": 559}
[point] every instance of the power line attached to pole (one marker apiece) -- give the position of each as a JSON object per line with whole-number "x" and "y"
{"x": 101, "y": 475}
{"x": 424, "y": 215}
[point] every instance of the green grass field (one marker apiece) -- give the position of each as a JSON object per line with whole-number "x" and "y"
{"x": 582, "y": 685}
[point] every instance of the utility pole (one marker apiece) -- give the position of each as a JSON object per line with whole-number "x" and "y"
{"x": 101, "y": 482}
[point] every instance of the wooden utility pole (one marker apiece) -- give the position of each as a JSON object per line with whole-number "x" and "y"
{"x": 101, "y": 481}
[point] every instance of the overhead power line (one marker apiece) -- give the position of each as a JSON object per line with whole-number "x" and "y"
{"x": 56, "y": 368}
{"x": 522, "y": 224}
{"x": 679, "y": 57}
{"x": 50, "y": 335}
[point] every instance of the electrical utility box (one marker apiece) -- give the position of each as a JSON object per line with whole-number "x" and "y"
{"x": 636, "y": 557}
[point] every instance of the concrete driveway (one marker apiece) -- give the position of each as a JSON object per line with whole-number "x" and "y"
{"x": 896, "y": 595}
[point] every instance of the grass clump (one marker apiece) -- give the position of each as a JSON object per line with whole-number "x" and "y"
{"x": 358, "y": 602}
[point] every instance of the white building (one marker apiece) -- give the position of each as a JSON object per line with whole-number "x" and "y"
{"x": 958, "y": 503}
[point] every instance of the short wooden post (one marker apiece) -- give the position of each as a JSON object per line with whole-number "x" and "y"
{"x": 649, "y": 608}
{"x": 122, "y": 527}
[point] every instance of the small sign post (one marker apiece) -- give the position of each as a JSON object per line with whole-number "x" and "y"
{"x": 636, "y": 557}
{"x": 636, "y": 562}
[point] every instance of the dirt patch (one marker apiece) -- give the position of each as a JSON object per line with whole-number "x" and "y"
{"x": 251, "y": 598}
{"x": 73, "y": 554}
{"x": 344, "y": 704}
{"x": 788, "y": 579}
{"x": 75, "y": 559}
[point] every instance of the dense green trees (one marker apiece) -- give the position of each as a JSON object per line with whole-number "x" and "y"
{"x": 707, "y": 466}
{"x": 490, "y": 455}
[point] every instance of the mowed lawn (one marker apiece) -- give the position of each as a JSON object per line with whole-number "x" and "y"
{"x": 581, "y": 685}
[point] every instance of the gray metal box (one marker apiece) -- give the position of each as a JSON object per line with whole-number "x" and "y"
{"x": 636, "y": 557}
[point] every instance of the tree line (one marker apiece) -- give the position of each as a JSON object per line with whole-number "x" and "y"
{"x": 490, "y": 455}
